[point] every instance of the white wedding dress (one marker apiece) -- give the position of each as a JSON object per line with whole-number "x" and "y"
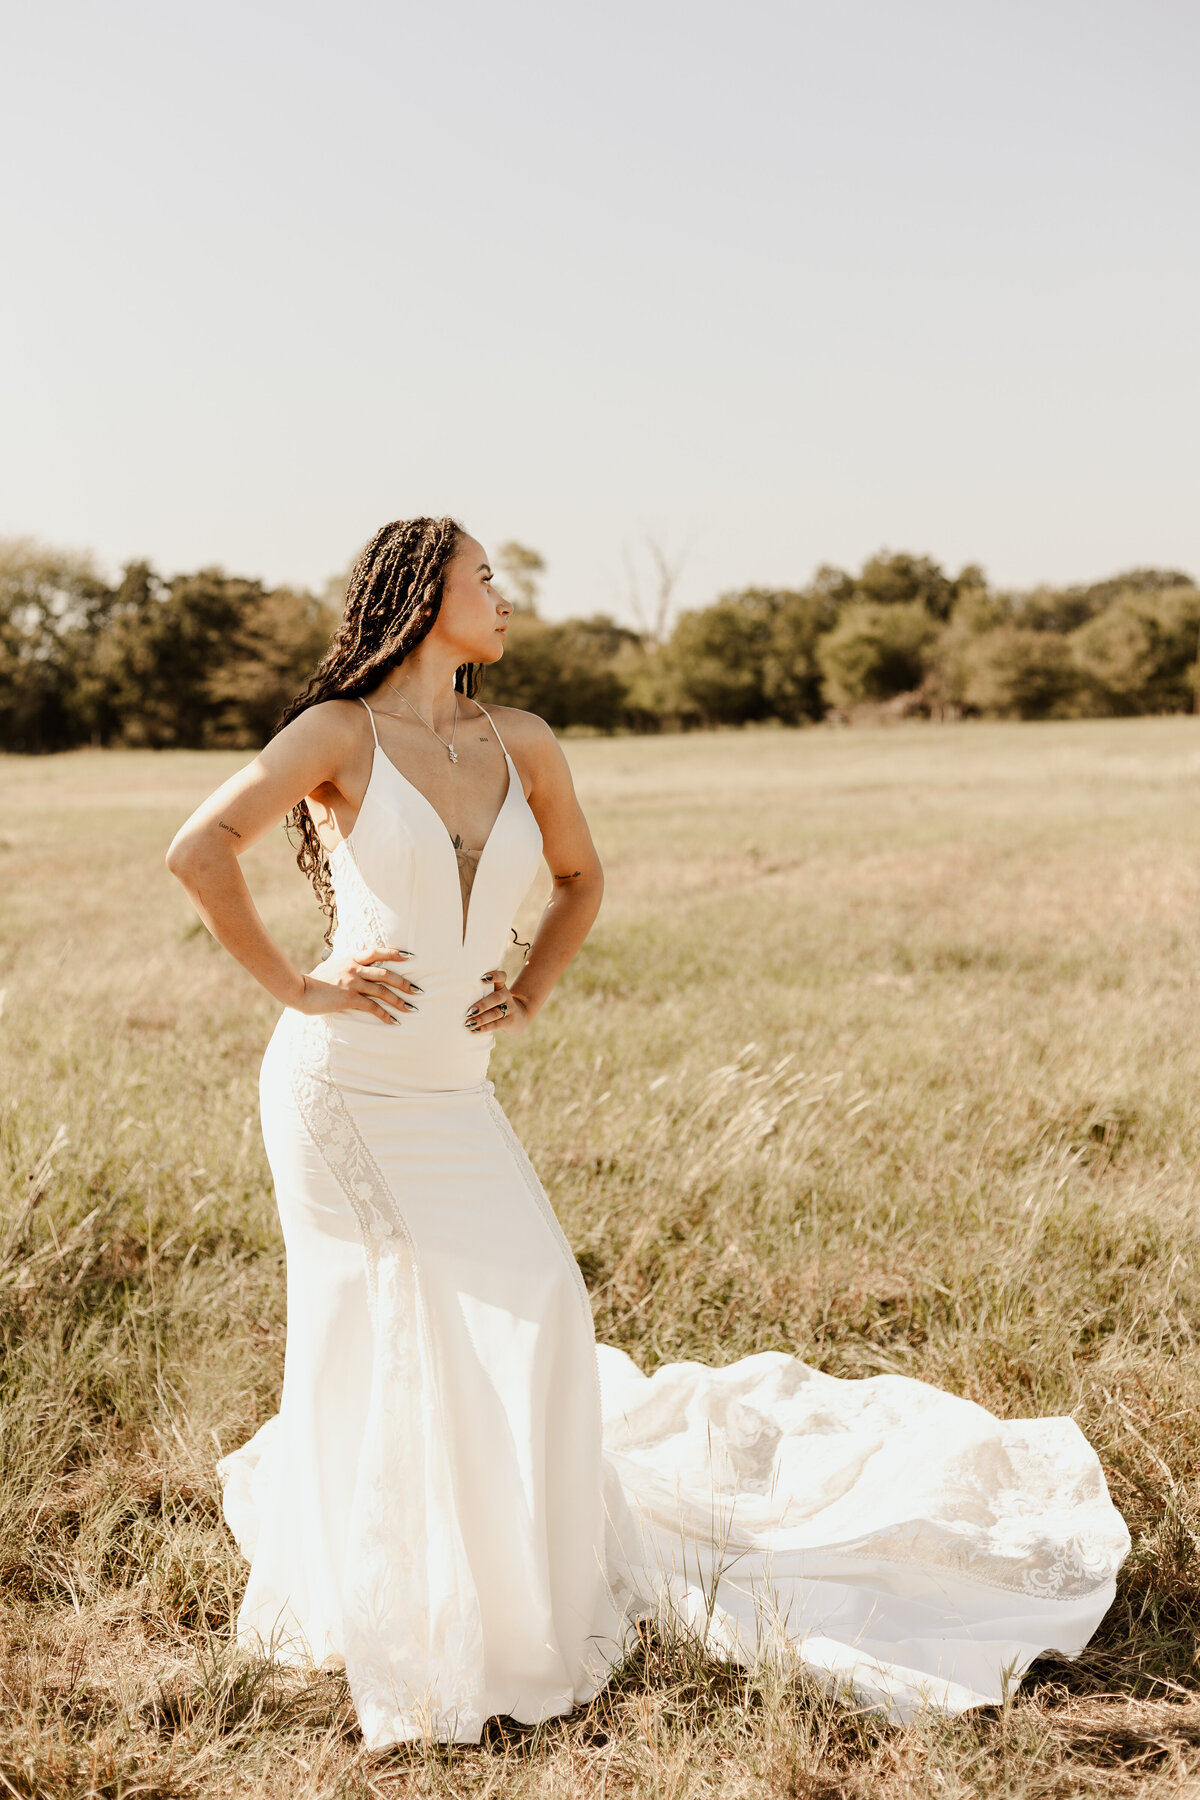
{"x": 465, "y": 1501}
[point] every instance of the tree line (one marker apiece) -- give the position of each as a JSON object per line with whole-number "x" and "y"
{"x": 209, "y": 659}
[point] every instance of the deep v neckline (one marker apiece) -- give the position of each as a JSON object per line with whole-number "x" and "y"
{"x": 444, "y": 830}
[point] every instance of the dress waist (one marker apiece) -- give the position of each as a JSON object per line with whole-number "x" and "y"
{"x": 430, "y": 1052}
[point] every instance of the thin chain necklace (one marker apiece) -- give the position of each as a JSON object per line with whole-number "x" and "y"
{"x": 451, "y": 752}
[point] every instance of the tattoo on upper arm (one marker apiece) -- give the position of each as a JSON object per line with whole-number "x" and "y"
{"x": 229, "y": 828}
{"x": 574, "y": 876}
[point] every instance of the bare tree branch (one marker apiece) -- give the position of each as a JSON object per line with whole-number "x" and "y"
{"x": 651, "y": 576}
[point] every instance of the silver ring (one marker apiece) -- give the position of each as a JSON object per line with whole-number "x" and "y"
{"x": 503, "y": 1007}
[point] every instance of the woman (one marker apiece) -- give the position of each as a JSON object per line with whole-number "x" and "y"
{"x": 462, "y": 1499}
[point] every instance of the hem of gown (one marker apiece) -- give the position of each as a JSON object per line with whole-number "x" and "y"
{"x": 897, "y": 1691}
{"x": 411, "y": 1725}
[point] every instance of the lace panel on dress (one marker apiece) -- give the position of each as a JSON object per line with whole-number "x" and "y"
{"x": 359, "y": 920}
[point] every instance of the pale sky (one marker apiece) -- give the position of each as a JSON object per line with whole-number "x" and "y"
{"x": 786, "y": 283}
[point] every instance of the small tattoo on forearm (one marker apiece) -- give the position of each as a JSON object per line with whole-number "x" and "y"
{"x": 229, "y": 828}
{"x": 573, "y": 877}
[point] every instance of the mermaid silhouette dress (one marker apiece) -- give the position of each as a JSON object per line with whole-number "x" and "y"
{"x": 464, "y": 1501}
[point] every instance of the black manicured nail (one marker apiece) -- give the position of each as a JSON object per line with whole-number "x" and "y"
{"x": 414, "y": 989}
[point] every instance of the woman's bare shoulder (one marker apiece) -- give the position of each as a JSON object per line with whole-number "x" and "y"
{"x": 329, "y": 741}
{"x": 534, "y": 749}
{"x": 339, "y": 721}
{"x": 521, "y": 730}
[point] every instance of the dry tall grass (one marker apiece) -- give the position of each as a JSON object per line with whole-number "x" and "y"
{"x": 883, "y": 1053}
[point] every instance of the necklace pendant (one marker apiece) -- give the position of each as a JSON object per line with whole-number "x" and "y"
{"x": 452, "y": 753}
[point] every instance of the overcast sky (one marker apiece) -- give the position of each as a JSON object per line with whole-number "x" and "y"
{"x": 783, "y": 283}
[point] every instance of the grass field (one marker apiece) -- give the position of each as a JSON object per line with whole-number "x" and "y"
{"x": 978, "y": 947}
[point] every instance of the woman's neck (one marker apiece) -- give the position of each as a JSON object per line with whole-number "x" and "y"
{"x": 426, "y": 683}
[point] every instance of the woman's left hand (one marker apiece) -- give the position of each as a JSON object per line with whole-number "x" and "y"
{"x": 501, "y": 1010}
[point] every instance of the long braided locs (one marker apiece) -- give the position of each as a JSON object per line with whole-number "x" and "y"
{"x": 393, "y": 596}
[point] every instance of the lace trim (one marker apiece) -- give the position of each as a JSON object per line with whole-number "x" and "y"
{"x": 358, "y": 911}
{"x": 1075, "y": 1568}
{"x": 338, "y": 1138}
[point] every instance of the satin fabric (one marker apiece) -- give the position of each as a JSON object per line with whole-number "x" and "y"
{"x": 465, "y": 1502}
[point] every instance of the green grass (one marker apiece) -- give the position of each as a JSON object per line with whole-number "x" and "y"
{"x": 884, "y": 1052}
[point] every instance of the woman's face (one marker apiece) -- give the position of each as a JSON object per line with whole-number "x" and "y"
{"x": 474, "y": 614}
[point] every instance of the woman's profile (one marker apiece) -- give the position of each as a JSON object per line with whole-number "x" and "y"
{"x": 462, "y": 1498}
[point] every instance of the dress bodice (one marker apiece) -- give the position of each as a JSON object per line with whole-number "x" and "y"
{"x": 396, "y": 882}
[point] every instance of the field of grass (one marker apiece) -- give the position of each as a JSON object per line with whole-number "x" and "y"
{"x": 884, "y": 1052}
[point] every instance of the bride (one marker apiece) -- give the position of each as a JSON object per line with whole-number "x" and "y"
{"x": 463, "y": 1500}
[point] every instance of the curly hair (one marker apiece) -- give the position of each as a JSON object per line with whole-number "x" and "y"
{"x": 393, "y": 596}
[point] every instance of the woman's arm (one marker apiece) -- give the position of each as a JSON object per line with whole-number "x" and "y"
{"x": 318, "y": 750}
{"x": 574, "y": 868}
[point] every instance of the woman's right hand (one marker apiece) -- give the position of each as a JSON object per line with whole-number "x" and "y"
{"x": 350, "y": 982}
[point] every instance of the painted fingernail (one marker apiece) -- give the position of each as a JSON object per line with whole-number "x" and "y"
{"x": 473, "y": 1012}
{"x": 414, "y": 989}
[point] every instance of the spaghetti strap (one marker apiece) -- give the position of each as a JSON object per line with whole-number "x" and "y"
{"x": 487, "y": 715}
{"x": 371, "y": 716}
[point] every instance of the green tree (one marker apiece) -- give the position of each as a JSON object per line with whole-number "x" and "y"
{"x": 521, "y": 570}
{"x": 281, "y": 637}
{"x": 171, "y": 641}
{"x": 53, "y": 607}
{"x": 1139, "y": 654}
{"x": 977, "y": 609}
{"x": 793, "y": 681}
{"x": 876, "y": 651}
{"x": 1016, "y": 672}
{"x": 568, "y": 673}
{"x": 204, "y": 659}
{"x": 114, "y": 679}
{"x": 900, "y": 579}
{"x": 1065, "y": 609}
{"x": 718, "y": 657}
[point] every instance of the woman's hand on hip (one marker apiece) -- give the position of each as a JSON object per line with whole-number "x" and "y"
{"x": 501, "y": 1010}
{"x": 359, "y": 982}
